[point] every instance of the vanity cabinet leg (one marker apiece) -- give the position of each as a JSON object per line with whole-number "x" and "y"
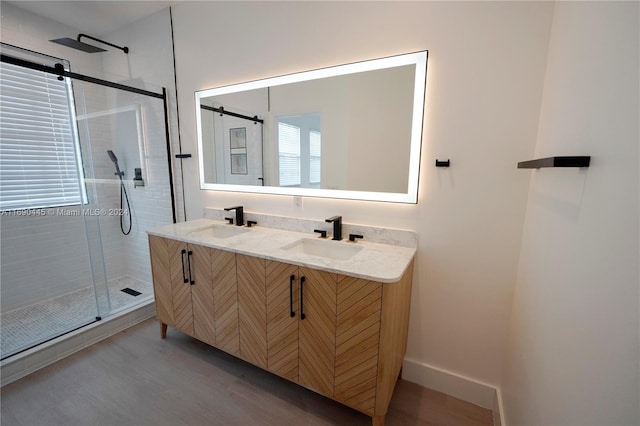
{"x": 377, "y": 421}
{"x": 163, "y": 330}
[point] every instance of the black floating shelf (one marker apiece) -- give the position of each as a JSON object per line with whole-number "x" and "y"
{"x": 579, "y": 161}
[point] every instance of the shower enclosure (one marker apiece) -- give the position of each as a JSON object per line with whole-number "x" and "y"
{"x": 101, "y": 148}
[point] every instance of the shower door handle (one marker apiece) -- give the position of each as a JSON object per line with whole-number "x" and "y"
{"x": 191, "y": 280}
{"x": 184, "y": 275}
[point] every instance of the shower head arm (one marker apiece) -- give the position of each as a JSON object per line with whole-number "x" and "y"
{"x": 125, "y": 49}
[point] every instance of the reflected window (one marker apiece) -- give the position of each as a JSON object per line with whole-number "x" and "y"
{"x": 300, "y": 150}
{"x": 289, "y": 154}
{"x": 314, "y": 157}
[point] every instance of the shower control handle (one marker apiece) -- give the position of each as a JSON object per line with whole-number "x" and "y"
{"x": 184, "y": 275}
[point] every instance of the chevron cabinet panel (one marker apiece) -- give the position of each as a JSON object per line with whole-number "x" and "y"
{"x": 252, "y": 305}
{"x": 196, "y": 291}
{"x": 357, "y": 341}
{"x": 282, "y": 319}
{"x": 318, "y": 330}
{"x": 161, "y": 272}
{"x": 202, "y": 295}
{"x": 173, "y": 295}
{"x": 225, "y": 300}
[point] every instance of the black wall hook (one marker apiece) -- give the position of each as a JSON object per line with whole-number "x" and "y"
{"x": 445, "y": 163}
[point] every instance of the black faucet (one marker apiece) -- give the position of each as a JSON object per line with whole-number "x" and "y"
{"x": 239, "y": 214}
{"x": 337, "y": 227}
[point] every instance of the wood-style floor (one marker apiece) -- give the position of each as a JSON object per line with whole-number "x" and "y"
{"x": 135, "y": 378}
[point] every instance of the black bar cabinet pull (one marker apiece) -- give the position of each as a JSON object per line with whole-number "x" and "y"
{"x": 183, "y": 155}
{"x": 291, "y": 280}
{"x": 192, "y": 281}
{"x": 302, "y": 298}
{"x": 184, "y": 275}
{"x": 445, "y": 163}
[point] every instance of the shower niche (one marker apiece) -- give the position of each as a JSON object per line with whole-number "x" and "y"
{"x": 125, "y": 128}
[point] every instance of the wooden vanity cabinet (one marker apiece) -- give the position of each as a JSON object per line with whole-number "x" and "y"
{"x": 273, "y": 334}
{"x": 340, "y": 336}
{"x": 301, "y": 325}
{"x": 172, "y": 294}
{"x": 195, "y": 291}
{"x": 322, "y": 332}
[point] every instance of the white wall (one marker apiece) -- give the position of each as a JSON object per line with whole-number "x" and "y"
{"x": 484, "y": 86}
{"x": 573, "y": 353}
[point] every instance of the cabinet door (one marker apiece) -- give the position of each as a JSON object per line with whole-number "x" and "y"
{"x": 181, "y": 269}
{"x": 215, "y": 305}
{"x": 282, "y": 319}
{"x": 357, "y": 342}
{"x": 225, "y": 300}
{"x": 160, "y": 251}
{"x": 169, "y": 263}
{"x": 202, "y": 294}
{"x": 317, "y": 331}
{"x": 252, "y": 309}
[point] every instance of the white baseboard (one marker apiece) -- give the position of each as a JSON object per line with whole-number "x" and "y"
{"x": 498, "y": 413}
{"x": 470, "y": 390}
{"x": 20, "y": 365}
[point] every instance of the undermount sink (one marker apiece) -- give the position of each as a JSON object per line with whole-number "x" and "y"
{"x": 323, "y": 248}
{"x": 219, "y": 231}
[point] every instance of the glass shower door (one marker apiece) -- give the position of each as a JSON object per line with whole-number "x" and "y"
{"x": 46, "y": 268}
{"x": 124, "y": 148}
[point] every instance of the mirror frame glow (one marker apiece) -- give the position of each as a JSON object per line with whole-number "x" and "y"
{"x": 419, "y": 59}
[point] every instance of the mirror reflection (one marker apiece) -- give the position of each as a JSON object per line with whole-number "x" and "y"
{"x": 351, "y": 131}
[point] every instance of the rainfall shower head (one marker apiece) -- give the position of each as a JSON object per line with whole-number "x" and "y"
{"x": 77, "y": 44}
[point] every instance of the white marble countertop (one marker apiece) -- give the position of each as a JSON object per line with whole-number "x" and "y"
{"x": 378, "y": 262}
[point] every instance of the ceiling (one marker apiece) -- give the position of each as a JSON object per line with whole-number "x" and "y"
{"x": 97, "y": 18}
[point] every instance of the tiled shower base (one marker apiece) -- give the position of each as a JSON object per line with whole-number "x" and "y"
{"x": 21, "y": 328}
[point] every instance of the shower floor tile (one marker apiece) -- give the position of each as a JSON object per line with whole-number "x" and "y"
{"x": 24, "y": 327}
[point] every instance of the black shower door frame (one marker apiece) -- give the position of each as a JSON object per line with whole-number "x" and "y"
{"x": 59, "y": 70}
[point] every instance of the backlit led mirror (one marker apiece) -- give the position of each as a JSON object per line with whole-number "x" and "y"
{"x": 351, "y": 131}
